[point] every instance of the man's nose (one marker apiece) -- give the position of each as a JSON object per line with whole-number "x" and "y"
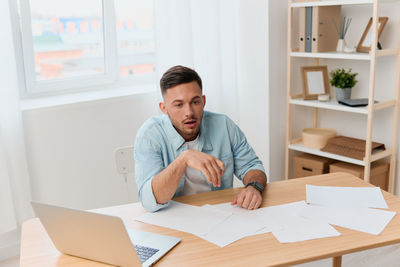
{"x": 188, "y": 110}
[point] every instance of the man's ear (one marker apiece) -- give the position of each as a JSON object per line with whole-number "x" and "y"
{"x": 162, "y": 107}
{"x": 204, "y": 100}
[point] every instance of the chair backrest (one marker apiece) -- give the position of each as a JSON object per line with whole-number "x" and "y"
{"x": 125, "y": 163}
{"x": 124, "y": 160}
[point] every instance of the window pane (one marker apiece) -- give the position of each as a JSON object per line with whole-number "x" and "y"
{"x": 67, "y": 38}
{"x": 134, "y": 22}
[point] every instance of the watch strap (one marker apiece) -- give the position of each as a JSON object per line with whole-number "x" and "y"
{"x": 256, "y": 185}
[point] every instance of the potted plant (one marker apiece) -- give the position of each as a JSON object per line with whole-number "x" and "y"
{"x": 343, "y": 81}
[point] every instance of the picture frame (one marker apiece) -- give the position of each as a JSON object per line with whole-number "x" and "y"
{"x": 315, "y": 81}
{"x": 364, "y": 45}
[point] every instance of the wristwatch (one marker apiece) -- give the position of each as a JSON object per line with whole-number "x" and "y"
{"x": 256, "y": 185}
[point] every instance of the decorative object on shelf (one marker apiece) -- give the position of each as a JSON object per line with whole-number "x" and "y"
{"x": 341, "y": 44}
{"x": 356, "y": 102}
{"x": 365, "y": 42}
{"x": 344, "y": 81}
{"x": 315, "y": 81}
{"x": 317, "y": 137}
{"x": 348, "y": 49}
{"x": 350, "y": 147}
{"x": 324, "y": 98}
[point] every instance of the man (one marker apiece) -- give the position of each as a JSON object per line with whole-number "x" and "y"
{"x": 189, "y": 150}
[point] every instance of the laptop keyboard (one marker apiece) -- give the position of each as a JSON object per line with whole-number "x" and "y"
{"x": 145, "y": 252}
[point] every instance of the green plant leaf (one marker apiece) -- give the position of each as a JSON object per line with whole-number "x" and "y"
{"x": 341, "y": 78}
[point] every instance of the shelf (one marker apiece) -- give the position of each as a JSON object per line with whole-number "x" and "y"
{"x": 337, "y": 55}
{"x": 386, "y": 52}
{"x": 385, "y": 104}
{"x": 298, "y": 146}
{"x": 342, "y": 3}
{"x": 334, "y": 105}
{"x": 332, "y": 3}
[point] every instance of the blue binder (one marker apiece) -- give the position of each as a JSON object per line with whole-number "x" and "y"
{"x": 308, "y": 29}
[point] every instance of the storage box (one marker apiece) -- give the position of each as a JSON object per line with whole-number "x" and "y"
{"x": 378, "y": 176}
{"x": 316, "y": 137}
{"x": 308, "y": 165}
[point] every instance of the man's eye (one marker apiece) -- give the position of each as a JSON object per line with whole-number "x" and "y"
{"x": 196, "y": 102}
{"x": 178, "y": 105}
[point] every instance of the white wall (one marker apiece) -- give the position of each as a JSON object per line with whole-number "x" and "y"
{"x": 347, "y": 124}
{"x": 253, "y": 116}
{"x": 71, "y": 150}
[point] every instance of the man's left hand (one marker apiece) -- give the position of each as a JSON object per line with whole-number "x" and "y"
{"x": 248, "y": 198}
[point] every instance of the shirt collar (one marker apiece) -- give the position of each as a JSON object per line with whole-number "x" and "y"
{"x": 173, "y": 136}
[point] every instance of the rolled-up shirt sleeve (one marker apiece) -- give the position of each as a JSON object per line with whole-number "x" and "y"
{"x": 245, "y": 159}
{"x": 148, "y": 163}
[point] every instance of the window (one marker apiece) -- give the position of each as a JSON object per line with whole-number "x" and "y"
{"x": 134, "y": 24}
{"x": 78, "y": 44}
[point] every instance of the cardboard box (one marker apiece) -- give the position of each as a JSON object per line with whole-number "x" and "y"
{"x": 308, "y": 165}
{"x": 378, "y": 176}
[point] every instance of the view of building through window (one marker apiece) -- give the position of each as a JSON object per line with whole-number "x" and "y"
{"x": 134, "y": 23}
{"x": 68, "y": 37}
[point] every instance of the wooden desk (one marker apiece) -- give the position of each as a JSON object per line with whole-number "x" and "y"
{"x": 259, "y": 250}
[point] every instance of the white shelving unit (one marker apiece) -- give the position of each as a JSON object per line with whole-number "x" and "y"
{"x": 295, "y": 144}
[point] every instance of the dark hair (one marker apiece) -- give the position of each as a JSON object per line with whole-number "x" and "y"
{"x": 177, "y": 75}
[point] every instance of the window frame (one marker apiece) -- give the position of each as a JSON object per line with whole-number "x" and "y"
{"x": 108, "y": 80}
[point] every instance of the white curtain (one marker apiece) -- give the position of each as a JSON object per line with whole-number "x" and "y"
{"x": 14, "y": 178}
{"x": 226, "y": 42}
{"x": 201, "y": 35}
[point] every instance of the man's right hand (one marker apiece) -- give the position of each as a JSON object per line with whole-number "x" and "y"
{"x": 210, "y": 166}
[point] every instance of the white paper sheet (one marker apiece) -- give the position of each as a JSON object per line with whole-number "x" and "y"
{"x": 365, "y": 220}
{"x": 294, "y": 228}
{"x": 284, "y": 221}
{"x": 332, "y": 196}
{"x": 302, "y": 230}
{"x": 234, "y": 209}
{"x": 186, "y": 218}
{"x": 257, "y": 215}
{"x": 242, "y": 223}
{"x": 232, "y": 229}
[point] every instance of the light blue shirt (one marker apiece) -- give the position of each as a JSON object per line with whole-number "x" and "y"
{"x": 158, "y": 144}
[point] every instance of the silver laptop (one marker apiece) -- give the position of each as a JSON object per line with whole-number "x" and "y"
{"x": 101, "y": 237}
